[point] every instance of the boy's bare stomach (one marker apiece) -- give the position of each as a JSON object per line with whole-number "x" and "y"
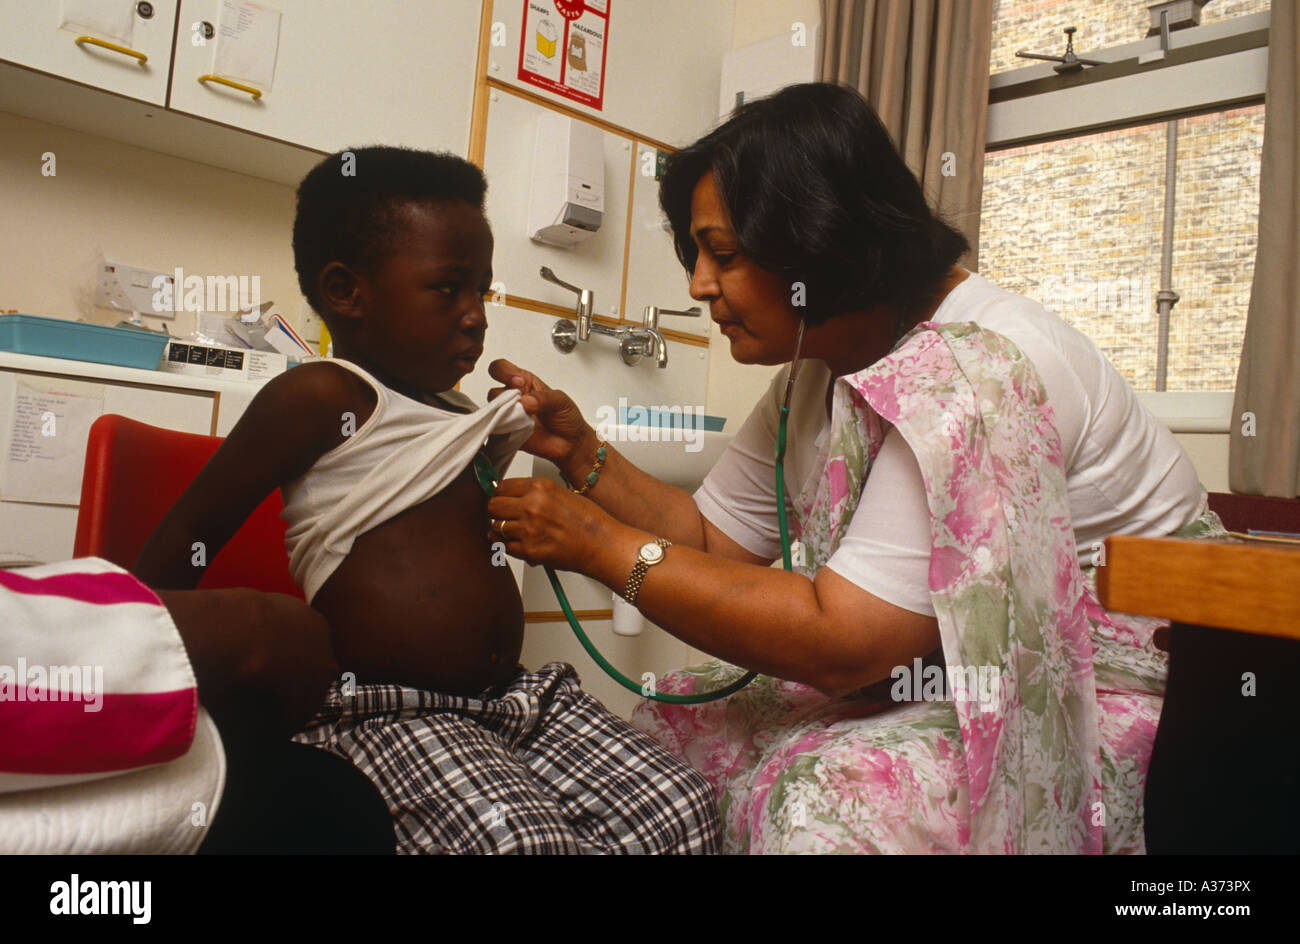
{"x": 418, "y": 601}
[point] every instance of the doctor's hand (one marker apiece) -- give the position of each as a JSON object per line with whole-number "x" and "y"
{"x": 560, "y": 434}
{"x": 544, "y": 523}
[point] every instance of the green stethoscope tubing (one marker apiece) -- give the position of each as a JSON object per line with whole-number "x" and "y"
{"x": 487, "y": 478}
{"x": 616, "y": 675}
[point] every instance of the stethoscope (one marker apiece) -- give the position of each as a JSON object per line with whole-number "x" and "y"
{"x": 487, "y": 479}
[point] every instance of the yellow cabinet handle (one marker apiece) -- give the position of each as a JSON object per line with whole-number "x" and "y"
{"x": 82, "y": 40}
{"x": 256, "y": 93}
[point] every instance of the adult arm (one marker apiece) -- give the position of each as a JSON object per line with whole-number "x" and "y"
{"x": 711, "y": 592}
{"x": 826, "y": 632}
{"x": 624, "y": 491}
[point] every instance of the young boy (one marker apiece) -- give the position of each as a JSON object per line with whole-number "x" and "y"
{"x": 388, "y": 536}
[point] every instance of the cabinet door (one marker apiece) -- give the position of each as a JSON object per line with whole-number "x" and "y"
{"x": 346, "y": 73}
{"x": 31, "y": 37}
{"x": 34, "y": 532}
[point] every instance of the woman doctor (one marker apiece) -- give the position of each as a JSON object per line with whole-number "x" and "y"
{"x": 946, "y": 482}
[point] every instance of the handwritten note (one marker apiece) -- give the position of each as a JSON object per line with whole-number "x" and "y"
{"x": 248, "y": 41}
{"x": 47, "y": 445}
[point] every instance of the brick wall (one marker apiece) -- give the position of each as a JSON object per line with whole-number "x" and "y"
{"x": 1076, "y": 223}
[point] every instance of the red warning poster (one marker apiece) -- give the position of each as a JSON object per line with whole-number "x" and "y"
{"x": 563, "y": 48}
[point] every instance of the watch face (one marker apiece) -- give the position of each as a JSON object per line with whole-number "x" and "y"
{"x": 651, "y": 553}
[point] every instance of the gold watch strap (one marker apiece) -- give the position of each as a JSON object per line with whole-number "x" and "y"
{"x": 639, "y": 571}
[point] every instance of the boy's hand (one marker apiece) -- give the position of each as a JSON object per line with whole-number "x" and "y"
{"x": 560, "y": 434}
{"x": 545, "y": 524}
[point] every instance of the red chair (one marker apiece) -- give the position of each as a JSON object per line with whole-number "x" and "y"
{"x": 136, "y": 472}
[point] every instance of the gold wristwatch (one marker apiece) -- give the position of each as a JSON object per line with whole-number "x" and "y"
{"x": 650, "y": 553}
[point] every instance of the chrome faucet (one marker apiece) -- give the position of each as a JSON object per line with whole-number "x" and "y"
{"x": 586, "y": 299}
{"x": 634, "y": 341}
{"x": 650, "y": 322}
{"x": 651, "y": 316}
{"x": 639, "y": 341}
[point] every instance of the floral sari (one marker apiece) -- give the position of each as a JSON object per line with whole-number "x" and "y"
{"x": 1047, "y": 750}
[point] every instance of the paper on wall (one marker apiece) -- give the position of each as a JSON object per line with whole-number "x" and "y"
{"x": 563, "y": 48}
{"x": 248, "y": 41}
{"x": 106, "y": 19}
{"x": 47, "y": 445}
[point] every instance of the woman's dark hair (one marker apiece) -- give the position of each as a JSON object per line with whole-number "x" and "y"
{"x": 349, "y": 205}
{"x": 818, "y": 193}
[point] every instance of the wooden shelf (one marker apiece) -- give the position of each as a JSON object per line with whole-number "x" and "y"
{"x": 1229, "y": 584}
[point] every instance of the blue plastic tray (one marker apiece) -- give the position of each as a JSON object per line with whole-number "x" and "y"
{"x": 78, "y": 341}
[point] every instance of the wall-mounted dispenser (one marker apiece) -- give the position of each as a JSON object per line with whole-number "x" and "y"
{"x": 568, "y": 196}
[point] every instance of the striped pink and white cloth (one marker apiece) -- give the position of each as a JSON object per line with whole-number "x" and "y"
{"x": 103, "y": 744}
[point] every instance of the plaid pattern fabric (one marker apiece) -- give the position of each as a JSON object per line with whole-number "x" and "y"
{"x": 535, "y": 765}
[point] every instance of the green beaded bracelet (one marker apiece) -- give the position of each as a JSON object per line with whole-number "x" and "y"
{"x": 594, "y": 474}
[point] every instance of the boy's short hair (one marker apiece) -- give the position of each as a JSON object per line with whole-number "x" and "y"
{"x": 349, "y": 205}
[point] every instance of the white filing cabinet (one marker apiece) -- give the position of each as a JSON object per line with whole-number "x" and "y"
{"x": 31, "y": 37}
{"x": 35, "y": 532}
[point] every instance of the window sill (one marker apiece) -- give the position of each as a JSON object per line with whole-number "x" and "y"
{"x": 1183, "y": 412}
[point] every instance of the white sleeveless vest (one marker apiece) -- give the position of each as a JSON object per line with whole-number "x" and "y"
{"x": 403, "y": 454}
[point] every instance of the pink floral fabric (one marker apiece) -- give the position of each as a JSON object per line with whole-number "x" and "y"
{"x": 1052, "y": 755}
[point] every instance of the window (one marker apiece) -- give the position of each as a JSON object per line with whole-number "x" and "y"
{"x": 1037, "y": 26}
{"x": 1076, "y": 220}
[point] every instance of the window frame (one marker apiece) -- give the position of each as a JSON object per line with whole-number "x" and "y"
{"x": 1208, "y": 68}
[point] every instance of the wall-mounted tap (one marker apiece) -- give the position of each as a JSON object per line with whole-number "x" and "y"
{"x": 586, "y": 299}
{"x": 650, "y": 320}
{"x": 641, "y": 342}
{"x": 651, "y": 317}
{"x": 634, "y": 341}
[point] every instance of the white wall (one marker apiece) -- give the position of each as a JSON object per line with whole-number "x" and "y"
{"x": 138, "y": 206}
{"x": 662, "y": 77}
{"x": 734, "y": 388}
{"x": 756, "y": 20}
{"x": 662, "y": 65}
{"x": 1209, "y": 453}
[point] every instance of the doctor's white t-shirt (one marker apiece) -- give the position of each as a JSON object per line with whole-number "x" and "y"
{"x": 1125, "y": 472}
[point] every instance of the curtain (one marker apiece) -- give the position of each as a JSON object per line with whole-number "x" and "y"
{"x": 1264, "y": 444}
{"x": 924, "y": 66}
